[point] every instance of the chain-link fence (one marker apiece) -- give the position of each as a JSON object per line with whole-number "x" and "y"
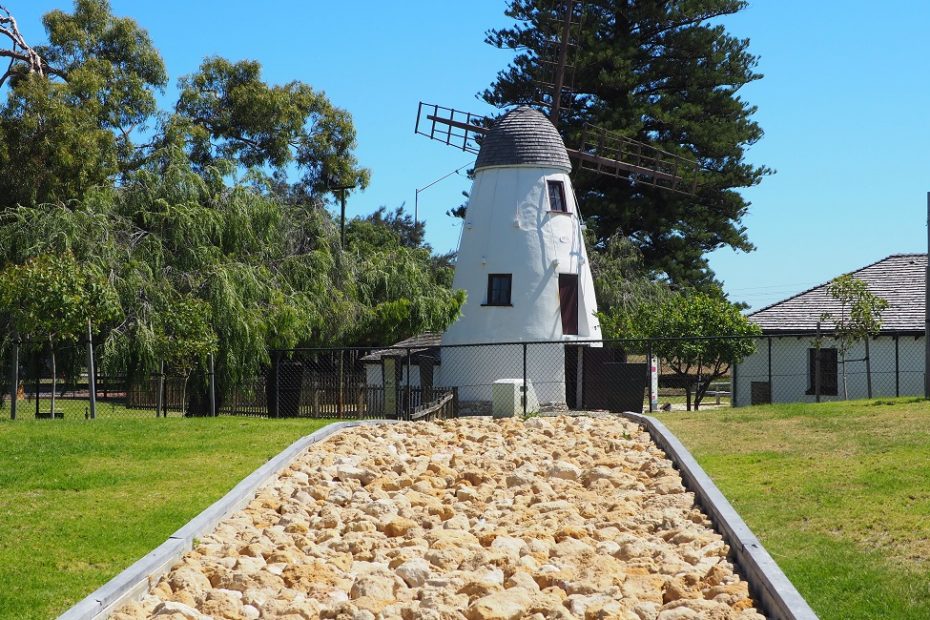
{"x": 803, "y": 368}
{"x": 426, "y": 379}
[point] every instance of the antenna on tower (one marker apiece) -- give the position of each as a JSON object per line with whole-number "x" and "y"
{"x": 601, "y": 151}
{"x": 561, "y": 22}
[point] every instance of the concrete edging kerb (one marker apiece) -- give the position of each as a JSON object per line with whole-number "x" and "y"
{"x": 777, "y": 596}
{"x": 136, "y": 580}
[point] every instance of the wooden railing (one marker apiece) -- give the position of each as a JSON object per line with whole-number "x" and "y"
{"x": 442, "y": 408}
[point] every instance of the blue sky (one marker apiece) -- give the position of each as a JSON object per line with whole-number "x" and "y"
{"x": 844, "y": 106}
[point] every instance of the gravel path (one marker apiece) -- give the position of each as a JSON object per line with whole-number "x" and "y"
{"x": 567, "y": 517}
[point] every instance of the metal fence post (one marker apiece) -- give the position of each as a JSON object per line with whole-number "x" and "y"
{"x": 38, "y": 379}
{"x": 160, "y": 402}
{"x": 524, "y": 388}
{"x": 734, "y": 381}
{"x": 277, "y": 384}
{"x": 817, "y": 362}
{"x": 213, "y": 412}
{"x": 341, "y": 393}
{"x": 408, "y": 402}
{"x": 91, "y": 373}
{"x": 650, "y": 367}
{"x": 897, "y": 368}
{"x": 14, "y": 377}
{"x": 771, "y": 390}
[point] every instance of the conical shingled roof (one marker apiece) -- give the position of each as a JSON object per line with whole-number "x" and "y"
{"x": 523, "y": 137}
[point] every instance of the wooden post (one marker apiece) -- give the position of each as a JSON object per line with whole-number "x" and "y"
{"x": 14, "y": 377}
{"x": 213, "y": 412}
{"x": 91, "y": 373}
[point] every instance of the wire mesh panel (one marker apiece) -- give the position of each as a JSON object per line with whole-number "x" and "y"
{"x": 430, "y": 381}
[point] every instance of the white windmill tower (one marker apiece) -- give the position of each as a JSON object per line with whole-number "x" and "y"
{"x": 522, "y": 261}
{"x": 522, "y": 258}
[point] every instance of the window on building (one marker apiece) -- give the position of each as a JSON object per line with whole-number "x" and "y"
{"x": 828, "y": 371}
{"x": 557, "y": 196}
{"x": 499, "y": 289}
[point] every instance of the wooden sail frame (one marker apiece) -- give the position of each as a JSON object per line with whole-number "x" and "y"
{"x": 602, "y": 151}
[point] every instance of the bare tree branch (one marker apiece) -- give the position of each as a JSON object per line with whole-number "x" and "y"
{"x": 19, "y": 50}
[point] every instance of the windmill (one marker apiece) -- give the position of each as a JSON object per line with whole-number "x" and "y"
{"x": 599, "y": 150}
{"x": 522, "y": 258}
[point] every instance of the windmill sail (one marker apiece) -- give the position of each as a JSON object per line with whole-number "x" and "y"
{"x": 601, "y": 151}
{"x": 450, "y": 126}
{"x": 612, "y": 154}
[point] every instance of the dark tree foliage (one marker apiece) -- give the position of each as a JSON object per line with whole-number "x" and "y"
{"x": 667, "y": 73}
{"x": 409, "y": 233}
{"x": 234, "y": 115}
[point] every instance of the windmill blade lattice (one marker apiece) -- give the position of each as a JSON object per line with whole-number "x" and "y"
{"x": 601, "y": 151}
{"x": 453, "y": 127}
{"x": 612, "y": 154}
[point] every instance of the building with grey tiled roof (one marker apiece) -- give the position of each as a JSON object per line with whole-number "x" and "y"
{"x": 783, "y": 367}
{"x": 900, "y": 279}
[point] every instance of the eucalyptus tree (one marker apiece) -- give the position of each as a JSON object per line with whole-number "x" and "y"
{"x": 74, "y": 105}
{"x": 230, "y": 113}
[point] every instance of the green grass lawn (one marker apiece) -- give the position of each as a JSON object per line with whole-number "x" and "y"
{"x": 839, "y": 494}
{"x": 81, "y": 500}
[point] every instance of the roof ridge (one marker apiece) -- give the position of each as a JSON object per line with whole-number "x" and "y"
{"x": 848, "y": 273}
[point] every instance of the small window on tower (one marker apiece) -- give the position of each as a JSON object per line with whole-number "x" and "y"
{"x": 557, "y": 196}
{"x": 499, "y": 289}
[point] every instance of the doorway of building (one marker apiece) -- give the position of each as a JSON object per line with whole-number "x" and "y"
{"x": 568, "y": 302}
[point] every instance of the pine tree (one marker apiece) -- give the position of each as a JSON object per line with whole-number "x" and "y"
{"x": 667, "y": 73}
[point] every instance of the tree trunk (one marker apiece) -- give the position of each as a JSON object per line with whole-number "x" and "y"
{"x": 868, "y": 369}
{"x": 54, "y": 377}
{"x": 688, "y": 397}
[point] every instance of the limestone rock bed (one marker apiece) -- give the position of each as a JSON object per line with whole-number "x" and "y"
{"x": 474, "y": 518}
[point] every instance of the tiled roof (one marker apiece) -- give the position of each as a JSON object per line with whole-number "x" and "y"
{"x": 423, "y": 344}
{"x": 900, "y": 279}
{"x": 523, "y": 137}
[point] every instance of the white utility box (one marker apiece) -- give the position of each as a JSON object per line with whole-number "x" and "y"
{"x": 507, "y": 398}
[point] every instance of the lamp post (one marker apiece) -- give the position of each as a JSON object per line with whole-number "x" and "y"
{"x": 416, "y": 198}
{"x": 342, "y": 189}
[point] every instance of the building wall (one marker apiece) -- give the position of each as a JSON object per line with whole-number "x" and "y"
{"x": 790, "y": 369}
{"x": 508, "y": 229}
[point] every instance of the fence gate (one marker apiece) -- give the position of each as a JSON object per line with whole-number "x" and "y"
{"x": 608, "y": 381}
